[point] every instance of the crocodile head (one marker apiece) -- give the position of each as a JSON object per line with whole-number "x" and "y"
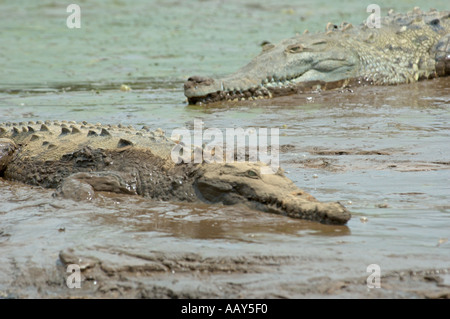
{"x": 243, "y": 183}
{"x": 297, "y": 64}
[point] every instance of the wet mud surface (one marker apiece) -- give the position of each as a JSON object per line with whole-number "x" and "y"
{"x": 383, "y": 152}
{"x": 131, "y": 247}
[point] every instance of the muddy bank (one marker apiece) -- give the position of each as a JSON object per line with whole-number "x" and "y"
{"x": 381, "y": 151}
{"x": 112, "y": 273}
{"x": 130, "y": 247}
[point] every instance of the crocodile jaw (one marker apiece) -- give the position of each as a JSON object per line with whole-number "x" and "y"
{"x": 295, "y": 65}
{"x": 242, "y": 183}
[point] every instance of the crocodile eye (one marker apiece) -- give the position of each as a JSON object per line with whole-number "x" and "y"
{"x": 295, "y": 48}
{"x": 252, "y": 174}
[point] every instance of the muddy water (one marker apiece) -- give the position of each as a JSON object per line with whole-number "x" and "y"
{"x": 383, "y": 152}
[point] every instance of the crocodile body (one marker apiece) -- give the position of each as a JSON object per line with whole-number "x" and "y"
{"x": 406, "y": 48}
{"x": 81, "y": 158}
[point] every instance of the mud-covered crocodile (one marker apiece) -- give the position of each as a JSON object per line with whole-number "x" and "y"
{"x": 405, "y": 48}
{"x": 81, "y": 158}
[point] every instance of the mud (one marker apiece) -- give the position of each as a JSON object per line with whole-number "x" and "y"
{"x": 130, "y": 247}
{"x": 382, "y": 151}
{"x": 115, "y": 273}
{"x": 393, "y": 177}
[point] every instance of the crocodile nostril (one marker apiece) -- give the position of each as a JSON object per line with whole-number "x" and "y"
{"x": 200, "y": 80}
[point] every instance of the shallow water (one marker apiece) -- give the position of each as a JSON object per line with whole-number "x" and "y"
{"x": 381, "y": 151}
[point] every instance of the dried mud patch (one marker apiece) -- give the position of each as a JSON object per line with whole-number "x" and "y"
{"x": 353, "y": 159}
{"x": 354, "y": 151}
{"x": 324, "y": 163}
{"x": 117, "y": 273}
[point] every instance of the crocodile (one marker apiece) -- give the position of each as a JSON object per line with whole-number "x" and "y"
{"x": 78, "y": 159}
{"x": 405, "y": 48}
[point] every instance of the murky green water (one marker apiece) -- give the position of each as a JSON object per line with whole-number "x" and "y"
{"x": 381, "y": 151}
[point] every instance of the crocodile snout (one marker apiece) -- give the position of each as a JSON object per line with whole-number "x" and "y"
{"x": 194, "y": 81}
{"x": 199, "y": 86}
